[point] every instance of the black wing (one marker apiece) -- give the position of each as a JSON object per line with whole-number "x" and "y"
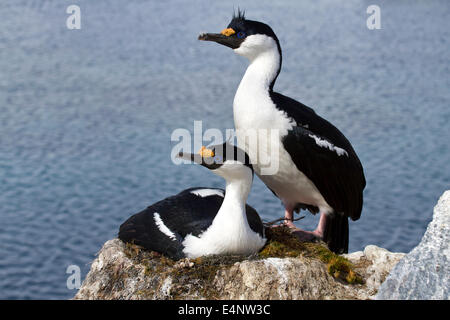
{"x": 195, "y": 214}
{"x": 339, "y": 178}
{"x": 187, "y": 213}
{"x": 183, "y": 214}
{"x": 338, "y": 175}
{"x": 254, "y": 220}
{"x": 305, "y": 117}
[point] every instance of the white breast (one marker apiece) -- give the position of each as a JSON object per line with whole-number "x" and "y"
{"x": 220, "y": 239}
{"x": 254, "y": 110}
{"x": 230, "y": 232}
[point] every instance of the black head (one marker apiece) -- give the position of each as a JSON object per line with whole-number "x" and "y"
{"x": 224, "y": 159}
{"x": 238, "y": 31}
{"x": 244, "y": 28}
{"x": 251, "y": 39}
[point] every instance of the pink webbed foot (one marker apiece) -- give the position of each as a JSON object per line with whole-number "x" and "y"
{"x": 317, "y": 234}
{"x": 288, "y": 219}
{"x": 307, "y": 236}
{"x": 289, "y": 224}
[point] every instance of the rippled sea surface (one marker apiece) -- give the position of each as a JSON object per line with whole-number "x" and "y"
{"x": 86, "y": 116}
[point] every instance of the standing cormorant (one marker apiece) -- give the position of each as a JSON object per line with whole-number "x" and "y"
{"x": 318, "y": 169}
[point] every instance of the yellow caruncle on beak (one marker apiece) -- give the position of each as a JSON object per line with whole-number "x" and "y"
{"x": 206, "y": 153}
{"x": 228, "y": 32}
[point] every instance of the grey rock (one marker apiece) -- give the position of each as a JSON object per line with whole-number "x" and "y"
{"x": 424, "y": 272}
{"x": 377, "y": 262}
{"x": 123, "y": 272}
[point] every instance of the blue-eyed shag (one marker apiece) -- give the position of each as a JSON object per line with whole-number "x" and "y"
{"x": 317, "y": 168}
{"x": 203, "y": 221}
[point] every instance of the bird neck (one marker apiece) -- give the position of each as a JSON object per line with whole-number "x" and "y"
{"x": 263, "y": 70}
{"x": 233, "y": 205}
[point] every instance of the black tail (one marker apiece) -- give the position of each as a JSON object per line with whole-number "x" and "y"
{"x": 336, "y": 233}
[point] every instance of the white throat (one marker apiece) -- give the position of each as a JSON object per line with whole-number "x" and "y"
{"x": 232, "y": 215}
{"x": 252, "y": 96}
{"x": 255, "y": 114}
{"x": 233, "y": 206}
{"x": 263, "y": 69}
{"x": 229, "y": 232}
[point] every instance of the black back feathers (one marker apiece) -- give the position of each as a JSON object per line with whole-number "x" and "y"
{"x": 179, "y": 215}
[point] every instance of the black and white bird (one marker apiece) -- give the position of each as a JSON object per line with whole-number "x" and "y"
{"x": 203, "y": 221}
{"x": 317, "y": 168}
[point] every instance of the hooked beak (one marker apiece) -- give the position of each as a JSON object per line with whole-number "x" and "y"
{"x": 225, "y": 38}
{"x": 207, "y": 162}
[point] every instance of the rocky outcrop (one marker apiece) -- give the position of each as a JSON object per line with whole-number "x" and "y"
{"x": 124, "y": 271}
{"x": 375, "y": 263}
{"x": 424, "y": 273}
{"x": 284, "y": 269}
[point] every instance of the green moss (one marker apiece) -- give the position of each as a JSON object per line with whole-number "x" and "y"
{"x": 199, "y": 277}
{"x": 282, "y": 243}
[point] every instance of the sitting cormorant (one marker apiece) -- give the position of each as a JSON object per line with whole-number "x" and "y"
{"x": 203, "y": 221}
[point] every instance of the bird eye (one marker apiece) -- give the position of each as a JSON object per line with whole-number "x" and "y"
{"x": 241, "y": 34}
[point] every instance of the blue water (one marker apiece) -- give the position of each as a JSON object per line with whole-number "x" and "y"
{"x": 86, "y": 116}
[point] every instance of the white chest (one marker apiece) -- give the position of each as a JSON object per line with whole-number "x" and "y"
{"x": 253, "y": 109}
{"x": 260, "y": 128}
{"x": 223, "y": 237}
{"x": 229, "y": 232}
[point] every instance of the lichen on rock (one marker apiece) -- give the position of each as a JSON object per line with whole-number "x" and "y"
{"x": 282, "y": 243}
{"x": 284, "y": 269}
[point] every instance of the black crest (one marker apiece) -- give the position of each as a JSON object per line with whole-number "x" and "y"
{"x": 240, "y": 15}
{"x": 238, "y": 20}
